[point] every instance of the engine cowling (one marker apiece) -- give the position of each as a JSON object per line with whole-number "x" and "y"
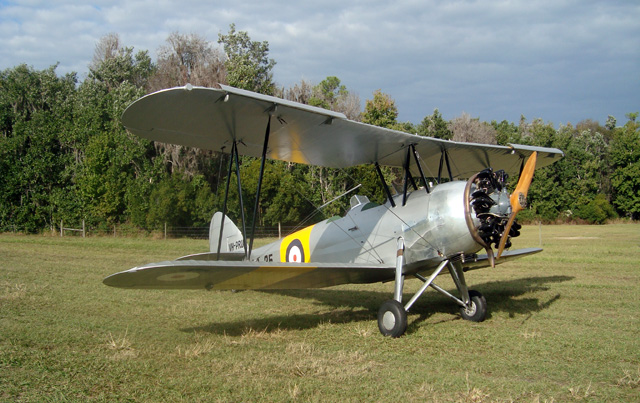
{"x": 489, "y": 208}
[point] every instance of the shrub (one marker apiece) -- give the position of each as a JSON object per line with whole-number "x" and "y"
{"x": 597, "y": 211}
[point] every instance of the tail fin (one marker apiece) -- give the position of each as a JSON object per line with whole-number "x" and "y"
{"x": 232, "y": 239}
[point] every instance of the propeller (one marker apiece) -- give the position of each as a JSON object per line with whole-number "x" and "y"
{"x": 518, "y": 198}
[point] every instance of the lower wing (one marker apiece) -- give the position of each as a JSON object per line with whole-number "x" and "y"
{"x": 244, "y": 275}
{"x": 482, "y": 261}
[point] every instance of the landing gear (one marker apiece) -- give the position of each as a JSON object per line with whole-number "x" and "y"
{"x": 392, "y": 315}
{"x": 476, "y": 311}
{"x": 392, "y": 319}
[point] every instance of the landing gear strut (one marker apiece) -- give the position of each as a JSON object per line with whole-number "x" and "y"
{"x": 392, "y": 315}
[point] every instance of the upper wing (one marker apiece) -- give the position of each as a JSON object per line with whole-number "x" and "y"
{"x": 228, "y": 275}
{"x": 212, "y": 118}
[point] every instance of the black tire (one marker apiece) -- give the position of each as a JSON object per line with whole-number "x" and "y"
{"x": 478, "y": 310}
{"x": 392, "y": 319}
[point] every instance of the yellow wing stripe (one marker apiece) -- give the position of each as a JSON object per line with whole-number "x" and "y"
{"x": 263, "y": 277}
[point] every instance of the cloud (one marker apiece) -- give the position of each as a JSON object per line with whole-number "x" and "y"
{"x": 563, "y": 60}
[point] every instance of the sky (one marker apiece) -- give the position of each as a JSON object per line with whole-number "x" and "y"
{"x": 563, "y": 61}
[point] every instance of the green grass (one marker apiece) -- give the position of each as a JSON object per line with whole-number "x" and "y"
{"x": 563, "y": 326}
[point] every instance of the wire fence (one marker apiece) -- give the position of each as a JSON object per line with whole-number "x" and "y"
{"x": 203, "y": 232}
{"x": 82, "y": 229}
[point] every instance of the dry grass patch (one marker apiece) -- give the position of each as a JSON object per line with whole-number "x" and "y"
{"x": 251, "y": 335}
{"x": 305, "y": 361}
{"x": 12, "y": 291}
{"x": 630, "y": 379}
{"x": 121, "y": 346}
{"x": 530, "y": 334}
{"x": 581, "y": 393}
{"x": 201, "y": 346}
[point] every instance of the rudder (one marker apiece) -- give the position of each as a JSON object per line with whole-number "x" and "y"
{"x": 232, "y": 239}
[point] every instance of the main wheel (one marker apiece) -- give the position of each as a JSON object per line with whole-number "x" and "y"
{"x": 392, "y": 318}
{"x": 477, "y": 311}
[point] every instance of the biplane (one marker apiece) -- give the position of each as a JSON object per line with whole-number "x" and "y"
{"x": 450, "y": 212}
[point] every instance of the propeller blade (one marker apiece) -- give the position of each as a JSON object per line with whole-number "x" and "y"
{"x": 519, "y": 198}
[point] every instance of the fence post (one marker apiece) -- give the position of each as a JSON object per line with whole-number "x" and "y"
{"x": 61, "y": 230}
{"x": 279, "y": 231}
{"x": 540, "y": 231}
{"x": 84, "y": 233}
{"x": 114, "y": 230}
{"x": 165, "y": 230}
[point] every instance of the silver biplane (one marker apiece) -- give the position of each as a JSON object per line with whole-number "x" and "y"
{"x": 420, "y": 231}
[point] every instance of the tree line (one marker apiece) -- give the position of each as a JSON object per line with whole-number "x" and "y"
{"x": 64, "y": 154}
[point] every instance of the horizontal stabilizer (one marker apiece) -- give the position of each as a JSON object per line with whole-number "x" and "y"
{"x": 233, "y": 256}
{"x": 244, "y": 275}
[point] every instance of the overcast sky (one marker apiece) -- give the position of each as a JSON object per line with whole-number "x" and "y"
{"x": 559, "y": 60}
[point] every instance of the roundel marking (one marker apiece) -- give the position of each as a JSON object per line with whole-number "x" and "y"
{"x": 295, "y": 252}
{"x": 295, "y": 248}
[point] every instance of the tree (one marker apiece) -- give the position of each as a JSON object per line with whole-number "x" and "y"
{"x": 247, "y": 62}
{"x": 576, "y": 186}
{"x": 331, "y": 94}
{"x": 35, "y": 115}
{"x": 506, "y": 132}
{"x": 380, "y": 111}
{"x": 107, "y": 48}
{"x": 300, "y": 92}
{"x": 537, "y": 133}
{"x": 587, "y": 175}
{"x": 114, "y": 165}
{"x": 113, "y": 64}
{"x": 188, "y": 59}
{"x": 326, "y": 94}
{"x": 472, "y": 130}
{"x": 180, "y": 202}
{"x": 625, "y": 165}
{"x": 435, "y": 126}
{"x": 285, "y": 194}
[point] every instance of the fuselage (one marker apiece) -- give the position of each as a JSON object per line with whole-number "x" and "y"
{"x": 432, "y": 225}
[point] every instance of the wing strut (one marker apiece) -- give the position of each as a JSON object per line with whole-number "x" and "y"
{"x": 226, "y": 197}
{"x": 417, "y": 158}
{"x": 407, "y": 176}
{"x": 255, "y": 206}
{"x": 444, "y": 158}
{"x": 407, "y": 172}
{"x": 384, "y": 185}
{"x": 233, "y": 156}
{"x": 244, "y": 223}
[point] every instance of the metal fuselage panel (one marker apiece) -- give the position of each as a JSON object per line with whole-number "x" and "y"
{"x": 432, "y": 224}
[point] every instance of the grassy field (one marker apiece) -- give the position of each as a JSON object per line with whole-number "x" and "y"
{"x": 563, "y": 325}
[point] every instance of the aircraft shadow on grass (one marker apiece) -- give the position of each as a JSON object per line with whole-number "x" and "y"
{"x": 356, "y": 306}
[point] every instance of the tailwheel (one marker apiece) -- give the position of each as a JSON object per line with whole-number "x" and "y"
{"x": 392, "y": 318}
{"x": 477, "y": 309}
